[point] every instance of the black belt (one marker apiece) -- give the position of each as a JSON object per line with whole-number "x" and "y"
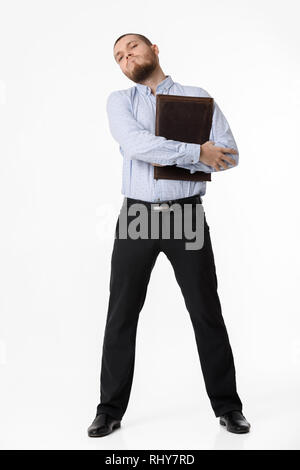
{"x": 185, "y": 200}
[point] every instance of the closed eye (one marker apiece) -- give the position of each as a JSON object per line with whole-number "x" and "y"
{"x": 122, "y": 56}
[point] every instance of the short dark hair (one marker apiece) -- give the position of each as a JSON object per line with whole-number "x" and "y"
{"x": 142, "y": 38}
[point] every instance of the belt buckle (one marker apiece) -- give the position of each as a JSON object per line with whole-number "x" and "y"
{"x": 161, "y": 207}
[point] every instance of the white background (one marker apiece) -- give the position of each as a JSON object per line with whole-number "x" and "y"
{"x": 60, "y": 195}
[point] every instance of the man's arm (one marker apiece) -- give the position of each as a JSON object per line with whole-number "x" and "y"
{"x": 140, "y": 144}
{"x": 222, "y": 136}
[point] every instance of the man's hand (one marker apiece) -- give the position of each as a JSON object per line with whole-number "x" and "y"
{"x": 214, "y": 156}
{"x": 156, "y": 164}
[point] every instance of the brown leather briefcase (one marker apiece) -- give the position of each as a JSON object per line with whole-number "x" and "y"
{"x": 185, "y": 119}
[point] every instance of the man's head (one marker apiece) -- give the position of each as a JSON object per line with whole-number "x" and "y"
{"x": 136, "y": 56}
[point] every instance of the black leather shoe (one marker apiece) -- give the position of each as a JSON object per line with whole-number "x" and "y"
{"x": 102, "y": 425}
{"x": 235, "y": 421}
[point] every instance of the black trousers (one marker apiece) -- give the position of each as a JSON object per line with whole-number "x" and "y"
{"x": 131, "y": 265}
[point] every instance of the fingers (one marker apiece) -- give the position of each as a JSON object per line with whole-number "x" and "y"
{"x": 227, "y": 150}
{"x": 223, "y": 164}
{"x": 216, "y": 166}
{"x": 228, "y": 159}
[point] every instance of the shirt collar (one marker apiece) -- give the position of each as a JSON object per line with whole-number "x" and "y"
{"x": 161, "y": 87}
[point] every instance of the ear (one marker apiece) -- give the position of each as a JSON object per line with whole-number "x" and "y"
{"x": 155, "y": 48}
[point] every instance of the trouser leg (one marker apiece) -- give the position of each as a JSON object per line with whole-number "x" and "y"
{"x": 131, "y": 265}
{"x": 196, "y": 275}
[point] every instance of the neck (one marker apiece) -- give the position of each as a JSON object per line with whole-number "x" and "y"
{"x": 156, "y": 78}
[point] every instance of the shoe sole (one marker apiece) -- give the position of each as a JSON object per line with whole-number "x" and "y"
{"x": 234, "y": 432}
{"x": 116, "y": 426}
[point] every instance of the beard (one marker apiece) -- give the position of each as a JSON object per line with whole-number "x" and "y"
{"x": 140, "y": 72}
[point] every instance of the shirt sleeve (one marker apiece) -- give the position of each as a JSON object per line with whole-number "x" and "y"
{"x": 138, "y": 143}
{"x": 222, "y": 136}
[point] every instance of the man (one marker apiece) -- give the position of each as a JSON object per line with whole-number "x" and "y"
{"x": 131, "y": 114}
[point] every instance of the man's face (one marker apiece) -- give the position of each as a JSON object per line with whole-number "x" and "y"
{"x": 136, "y": 59}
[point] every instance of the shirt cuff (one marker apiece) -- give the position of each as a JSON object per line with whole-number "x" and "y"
{"x": 190, "y": 154}
{"x": 193, "y": 151}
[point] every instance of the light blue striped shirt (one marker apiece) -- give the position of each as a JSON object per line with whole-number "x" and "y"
{"x": 131, "y": 116}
